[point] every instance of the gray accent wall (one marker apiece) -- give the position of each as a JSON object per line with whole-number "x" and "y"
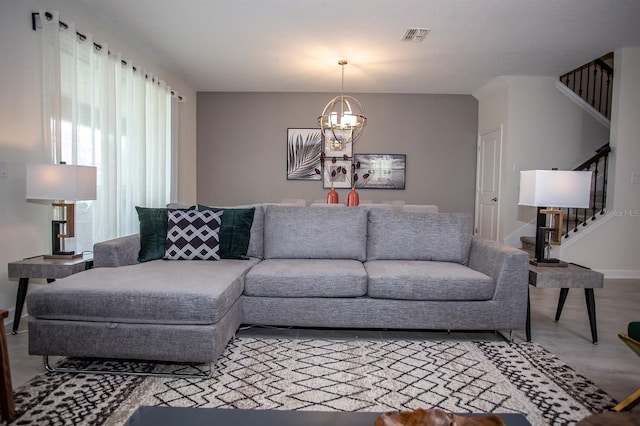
{"x": 241, "y": 146}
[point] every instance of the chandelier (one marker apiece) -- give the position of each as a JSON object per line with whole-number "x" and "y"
{"x": 342, "y": 120}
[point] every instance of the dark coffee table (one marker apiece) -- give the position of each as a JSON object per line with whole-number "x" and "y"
{"x": 173, "y": 416}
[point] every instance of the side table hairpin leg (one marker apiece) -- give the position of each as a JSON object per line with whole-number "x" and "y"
{"x": 23, "y": 285}
{"x": 564, "y": 292}
{"x": 591, "y": 310}
{"x": 528, "y": 323}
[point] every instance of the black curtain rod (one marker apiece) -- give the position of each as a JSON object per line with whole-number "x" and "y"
{"x": 49, "y": 16}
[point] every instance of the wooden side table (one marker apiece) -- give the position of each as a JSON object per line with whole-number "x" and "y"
{"x": 39, "y": 267}
{"x": 7, "y": 408}
{"x": 564, "y": 278}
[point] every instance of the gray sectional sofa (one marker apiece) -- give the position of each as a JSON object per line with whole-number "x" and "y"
{"x": 306, "y": 266}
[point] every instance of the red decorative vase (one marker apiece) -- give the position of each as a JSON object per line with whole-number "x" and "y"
{"x": 353, "y": 199}
{"x": 332, "y": 197}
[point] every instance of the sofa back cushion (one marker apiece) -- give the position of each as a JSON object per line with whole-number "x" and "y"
{"x": 443, "y": 237}
{"x": 292, "y": 232}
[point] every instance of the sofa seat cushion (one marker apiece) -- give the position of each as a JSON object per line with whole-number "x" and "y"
{"x": 426, "y": 280}
{"x": 159, "y": 291}
{"x": 306, "y": 278}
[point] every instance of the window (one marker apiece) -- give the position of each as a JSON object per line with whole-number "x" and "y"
{"x": 101, "y": 111}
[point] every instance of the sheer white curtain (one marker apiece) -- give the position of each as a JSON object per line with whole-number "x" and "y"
{"x": 102, "y": 112}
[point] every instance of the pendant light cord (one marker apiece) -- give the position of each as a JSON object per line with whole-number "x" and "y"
{"x": 342, "y": 64}
{"x": 343, "y": 103}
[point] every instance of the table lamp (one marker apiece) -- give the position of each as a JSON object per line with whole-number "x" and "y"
{"x": 61, "y": 183}
{"x": 552, "y": 188}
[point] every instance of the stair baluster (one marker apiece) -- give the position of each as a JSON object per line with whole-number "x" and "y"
{"x": 595, "y": 193}
{"x": 604, "y": 185}
{"x": 595, "y": 91}
{"x": 596, "y": 163}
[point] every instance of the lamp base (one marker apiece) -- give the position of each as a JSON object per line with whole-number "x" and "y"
{"x": 549, "y": 262}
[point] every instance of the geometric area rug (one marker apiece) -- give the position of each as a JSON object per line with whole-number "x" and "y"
{"x": 330, "y": 375}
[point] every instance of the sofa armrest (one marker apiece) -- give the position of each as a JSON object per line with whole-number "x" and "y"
{"x": 508, "y": 266}
{"x": 117, "y": 252}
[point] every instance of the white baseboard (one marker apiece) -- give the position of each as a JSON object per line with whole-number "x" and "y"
{"x": 623, "y": 274}
{"x": 9, "y": 319}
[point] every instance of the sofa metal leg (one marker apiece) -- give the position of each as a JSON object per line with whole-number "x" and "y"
{"x": 507, "y": 337}
{"x": 50, "y": 369}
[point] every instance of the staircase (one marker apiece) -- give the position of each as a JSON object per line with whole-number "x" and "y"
{"x": 592, "y": 85}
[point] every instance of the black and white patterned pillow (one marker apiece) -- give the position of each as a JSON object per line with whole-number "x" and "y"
{"x": 192, "y": 235}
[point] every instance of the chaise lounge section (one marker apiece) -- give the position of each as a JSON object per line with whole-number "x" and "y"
{"x": 181, "y": 311}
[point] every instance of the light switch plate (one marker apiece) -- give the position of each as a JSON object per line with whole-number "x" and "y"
{"x": 4, "y": 169}
{"x": 635, "y": 177}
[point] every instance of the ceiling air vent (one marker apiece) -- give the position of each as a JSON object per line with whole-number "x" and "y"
{"x": 416, "y": 35}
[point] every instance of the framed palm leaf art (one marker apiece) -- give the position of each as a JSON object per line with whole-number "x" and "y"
{"x": 304, "y": 147}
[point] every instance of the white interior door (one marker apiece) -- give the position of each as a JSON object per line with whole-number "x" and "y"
{"x": 488, "y": 184}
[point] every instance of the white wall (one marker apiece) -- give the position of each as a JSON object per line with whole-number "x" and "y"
{"x": 614, "y": 246}
{"x": 24, "y": 226}
{"x": 493, "y": 112}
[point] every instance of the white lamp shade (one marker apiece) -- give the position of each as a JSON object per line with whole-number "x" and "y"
{"x": 555, "y": 188}
{"x": 61, "y": 182}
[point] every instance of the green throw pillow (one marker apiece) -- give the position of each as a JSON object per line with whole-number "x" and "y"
{"x": 634, "y": 330}
{"x": 153, "y": 232}
{"x": 235, "y": 231}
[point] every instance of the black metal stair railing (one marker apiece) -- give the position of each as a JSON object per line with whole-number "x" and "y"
{"x": 593, "y": 82}
{"x": 576, "y": 218}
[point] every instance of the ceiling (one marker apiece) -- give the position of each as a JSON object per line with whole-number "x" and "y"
{"x": 295, "y": 45}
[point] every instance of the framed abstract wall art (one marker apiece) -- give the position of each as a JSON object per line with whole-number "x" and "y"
{"x": 334, "y": 145}
{"x": 337, "y": 173}
{"x": 385, "y": 171}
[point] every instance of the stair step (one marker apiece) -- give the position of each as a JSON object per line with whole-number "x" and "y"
{"x": 528, "y": 240}
{"x": 529, "y": 245}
